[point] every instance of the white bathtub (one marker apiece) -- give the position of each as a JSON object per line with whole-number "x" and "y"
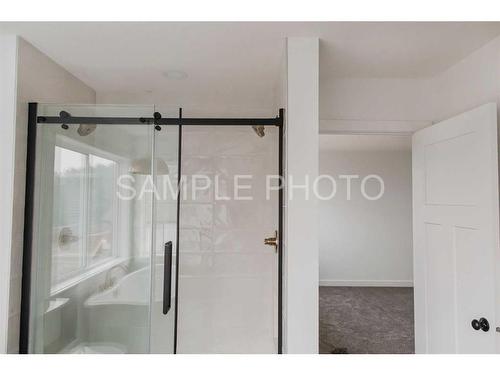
{"x": 120, "y": 315}
{"x": 132, "y": 289}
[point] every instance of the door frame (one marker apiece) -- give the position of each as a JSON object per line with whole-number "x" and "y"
{"x": 34, "y": 120}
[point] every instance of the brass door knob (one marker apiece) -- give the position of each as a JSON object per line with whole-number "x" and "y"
{"x": 272, "y": 241}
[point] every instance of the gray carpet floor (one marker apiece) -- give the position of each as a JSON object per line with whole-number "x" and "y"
{"x": 355, "y": 320}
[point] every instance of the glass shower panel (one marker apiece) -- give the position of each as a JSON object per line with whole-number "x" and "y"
{"x": 165, "y": 238}
{"x": 227, "y": 276}
{"x": 93, "y": 225}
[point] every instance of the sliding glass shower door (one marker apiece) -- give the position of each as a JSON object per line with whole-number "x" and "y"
{"x": 102, "y": 242}
{"x": 166, "y": 154}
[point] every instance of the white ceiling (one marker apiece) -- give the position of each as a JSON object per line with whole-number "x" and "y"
{"x": 362, "y": 142}
{"x": 231, "y": 57}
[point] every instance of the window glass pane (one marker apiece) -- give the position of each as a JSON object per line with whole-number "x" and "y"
{"x": 68, "y": 222}
{"x": 102, "y": 209}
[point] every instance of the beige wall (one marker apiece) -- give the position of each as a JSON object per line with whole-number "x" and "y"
{"x": 39, "y": 79}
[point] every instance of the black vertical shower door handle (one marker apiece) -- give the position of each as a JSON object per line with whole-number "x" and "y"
{"x": 167, "y": 277}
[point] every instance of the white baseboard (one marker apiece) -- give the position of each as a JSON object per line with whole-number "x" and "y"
{"x": 392, "y": 283}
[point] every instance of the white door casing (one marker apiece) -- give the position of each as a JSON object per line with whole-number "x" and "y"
{"x": 456, "y": 233}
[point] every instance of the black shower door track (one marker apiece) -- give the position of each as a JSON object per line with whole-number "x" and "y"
{"x": 66, "y": 118}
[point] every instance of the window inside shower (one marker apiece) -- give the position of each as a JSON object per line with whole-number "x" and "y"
{"x": 85, "y": 233}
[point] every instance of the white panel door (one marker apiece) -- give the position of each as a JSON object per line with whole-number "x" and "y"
{"x": 456, "y": 225}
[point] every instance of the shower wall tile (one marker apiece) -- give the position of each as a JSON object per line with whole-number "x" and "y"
{"x": 233, "y": 304}
{"x": 244, "y": 215}
{"x": 242, "y": 171}
{"x": 197, "y": 328}
{"x": 166, "y": 212}
{"x": 197, "y": 264}
{"x": 239, "y": 165}
{"x": 196, "y": 140}
{"x": 227, "y": 276}
{"x": 197, "y": 165}
{"x": 228, "y": 265}
{"x": 243, "y": 141}
{"x": 196, "y": 215}
{"x": 244, "y": 320}
{"x": 245, "y": 264}
{"x": 196, "y": 239}
{"x": 198, "y": 188}
{"x": 237, "y": 240}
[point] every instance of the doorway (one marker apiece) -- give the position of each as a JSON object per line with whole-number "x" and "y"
{"x": 455, "y": 224}
{"x": 366, "y": 260}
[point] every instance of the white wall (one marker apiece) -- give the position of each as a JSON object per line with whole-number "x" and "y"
{"x": 39, "y": 79}
{"x": 468, "y": 84}
{"x": 8, "y": 67}
{"x": 374, "y": 99}
{"x": 301, "y": 251}
{"x": 366, "y": 242}
{"x": 385, "y": 104}
{"x": 374, "y": 105}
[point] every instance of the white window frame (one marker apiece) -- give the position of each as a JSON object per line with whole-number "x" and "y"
{"x": 86, "y": 270}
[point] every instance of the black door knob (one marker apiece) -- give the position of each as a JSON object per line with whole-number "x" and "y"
{"x": 475, "y": 324}
{"x": 481, "y": 324}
